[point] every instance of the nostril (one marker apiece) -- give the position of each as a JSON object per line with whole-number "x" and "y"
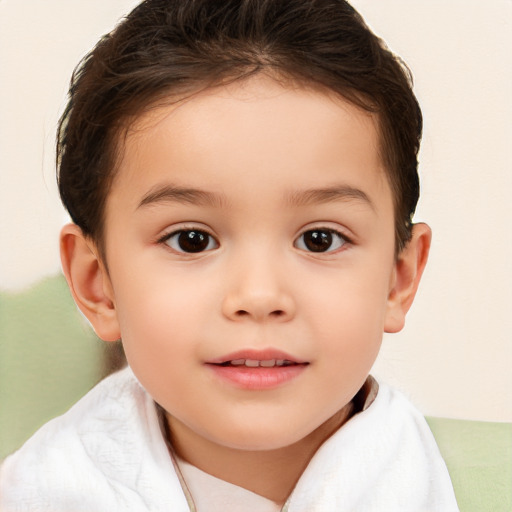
{"x": 276, "y": 313}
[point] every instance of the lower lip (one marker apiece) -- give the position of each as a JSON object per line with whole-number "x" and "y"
{"x": 258, "y": 378}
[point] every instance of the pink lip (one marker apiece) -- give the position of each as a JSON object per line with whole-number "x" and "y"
{"x": 257, "y": 378}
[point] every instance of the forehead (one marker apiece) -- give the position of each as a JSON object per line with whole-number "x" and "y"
{"x": 250, "y": 127}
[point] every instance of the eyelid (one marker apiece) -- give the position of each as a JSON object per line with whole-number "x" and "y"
{"x": 332, "y": 227}
{"x": 185, "y": 226}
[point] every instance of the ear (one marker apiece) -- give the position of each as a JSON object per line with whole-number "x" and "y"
{"x": 409, "y": 267}
{"x": 89, "y": 282}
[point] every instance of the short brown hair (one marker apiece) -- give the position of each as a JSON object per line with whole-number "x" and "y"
{"x": 167, "y": 47}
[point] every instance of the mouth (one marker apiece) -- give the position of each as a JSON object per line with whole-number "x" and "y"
{"x": 257, "y": 369}
{"x": 251, "y": 358}
{"x": 255, "y": 363}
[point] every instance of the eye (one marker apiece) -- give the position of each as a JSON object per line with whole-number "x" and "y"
{"x": 320, "y": 240}
{"x": 191, "y": 241}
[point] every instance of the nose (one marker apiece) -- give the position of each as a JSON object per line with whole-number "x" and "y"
{"x": 257, "y": 290}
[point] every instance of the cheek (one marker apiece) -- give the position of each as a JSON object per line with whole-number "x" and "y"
{"x": 154, "y": 294}
{"x": 159, "y": 335}
{"x": 351, "y": 298}
{"x": 349, "y": 318}
{"x": 158, "y": 315}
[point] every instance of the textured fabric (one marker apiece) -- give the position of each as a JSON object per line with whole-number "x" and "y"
{"x": 108, "y": 453}
{"x": 384, "y": 459}
{"x": 105, "y": 454}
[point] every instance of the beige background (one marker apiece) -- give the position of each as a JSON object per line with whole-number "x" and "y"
{"x": 454, "y": 358}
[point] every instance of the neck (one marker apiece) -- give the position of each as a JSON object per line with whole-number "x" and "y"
{"x": 272, "y": 474}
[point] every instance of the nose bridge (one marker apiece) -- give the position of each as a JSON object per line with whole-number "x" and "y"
{"x": 258, "y": 286}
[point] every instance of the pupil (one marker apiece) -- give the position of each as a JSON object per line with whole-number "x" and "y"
{"x": 318, "y": 241}
{"x": 193, "y": 241}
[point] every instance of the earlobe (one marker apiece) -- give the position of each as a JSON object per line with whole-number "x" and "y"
{"x": 409, "y": 267}
{"x": 89, "y": 282}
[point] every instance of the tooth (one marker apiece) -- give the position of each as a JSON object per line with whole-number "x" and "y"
{"x": 268, "y": 364}
{"x": 279, "y": 362}
{"x": 252, "y": 363}
{"x": 238, "y": 362}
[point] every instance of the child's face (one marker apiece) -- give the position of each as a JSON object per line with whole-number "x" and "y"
{"x": 252, "y": 222}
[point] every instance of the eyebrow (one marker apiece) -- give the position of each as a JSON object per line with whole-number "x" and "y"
{"x": 171, "y": 193}
{"x": 168, "y": 193}
{"x": 329, "y": 194}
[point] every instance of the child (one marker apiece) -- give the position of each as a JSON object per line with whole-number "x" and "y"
{"x": 242, "y": 176}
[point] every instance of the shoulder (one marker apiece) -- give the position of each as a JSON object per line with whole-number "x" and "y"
{"x": 410, "y": 465}
{"x": 96, "y": 406}
{"x": 383, "y": 459}
{"x": 109, "y": 400}
{"x": 396, "y": 429}
{"x": 94, "y": 449}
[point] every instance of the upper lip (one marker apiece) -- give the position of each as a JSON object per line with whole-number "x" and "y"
{"x": 257, "y": 355}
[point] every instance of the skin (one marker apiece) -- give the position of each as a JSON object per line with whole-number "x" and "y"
{"x": 261, "y": 163}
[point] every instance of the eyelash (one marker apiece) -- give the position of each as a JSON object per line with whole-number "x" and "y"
{"x": 324, "y": 238}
